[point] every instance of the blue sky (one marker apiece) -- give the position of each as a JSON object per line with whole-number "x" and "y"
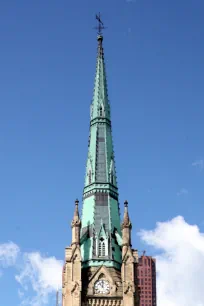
{"x": 154, "y": 61}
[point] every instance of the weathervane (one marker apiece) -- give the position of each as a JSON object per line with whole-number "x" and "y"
{"x": 100, "y": 26}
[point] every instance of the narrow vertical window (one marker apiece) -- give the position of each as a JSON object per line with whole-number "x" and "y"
{"x": 101, "y": 111}
{"x": 89, "y": 140}
{"x": 103, "y": 249}
{"x": 89, "y": 176}
{"x": 111, "y": 177}
{"x": 99, "y": 249}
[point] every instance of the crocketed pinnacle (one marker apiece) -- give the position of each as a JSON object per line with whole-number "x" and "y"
{"x": 76, "y": 218}
{"x": 126, "y": 219}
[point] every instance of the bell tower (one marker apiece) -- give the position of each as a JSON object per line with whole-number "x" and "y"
{"x": 100, "y": 265}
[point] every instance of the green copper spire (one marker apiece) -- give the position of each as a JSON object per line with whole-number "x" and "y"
{"x": 100, "y": 231}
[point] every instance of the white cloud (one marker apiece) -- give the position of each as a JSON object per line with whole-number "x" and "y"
{"x": 42, "y": 274}
{"x": 199, "y": 164}
{"x": 182, "y": 191}
{"x": 8, "y": 254}
{"x": 39, "y": 276}
{"x": 180, "y": 263}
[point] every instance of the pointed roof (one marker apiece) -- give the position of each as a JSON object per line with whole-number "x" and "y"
{"x": 100, "y": 162}
{"x": 76, "y": 219}
{"x": 100, "y": 102}
{"x": 100, "y": 197}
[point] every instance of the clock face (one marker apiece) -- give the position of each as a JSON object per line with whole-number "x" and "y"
{"x": 102, "y": 287}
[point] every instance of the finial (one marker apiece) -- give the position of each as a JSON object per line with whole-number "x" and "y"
{"x": 76, "y": 202}
{"x": 126, "y": 219}
{"x": 126, "y": 203}
{"x": 76, "y": 211}
{"x": 76, "y": 218}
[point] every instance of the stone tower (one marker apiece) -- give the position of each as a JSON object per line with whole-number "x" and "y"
{"x": 100, "y": 265}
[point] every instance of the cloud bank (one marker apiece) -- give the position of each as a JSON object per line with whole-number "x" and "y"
{"x": 38, "y": 276}
{"x": 43, "y": 274}
{"x": 180, "y": 262}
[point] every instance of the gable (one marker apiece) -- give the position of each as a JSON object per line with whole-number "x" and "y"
{"x": 102, "y": 272}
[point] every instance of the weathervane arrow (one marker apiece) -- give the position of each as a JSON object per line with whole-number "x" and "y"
{"x": 100, "y": 25}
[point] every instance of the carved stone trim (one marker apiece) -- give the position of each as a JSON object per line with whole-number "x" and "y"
{"x": 104, "y": 302}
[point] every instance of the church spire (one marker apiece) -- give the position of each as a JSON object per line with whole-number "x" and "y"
{"x": 100, "y": 213}
{"x": 100, "y": 265}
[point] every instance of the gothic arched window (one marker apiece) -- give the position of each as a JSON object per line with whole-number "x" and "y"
{"x": 102, "y": 248}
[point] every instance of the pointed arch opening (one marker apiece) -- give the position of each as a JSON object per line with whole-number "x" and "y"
{"x": 102, "y": 247}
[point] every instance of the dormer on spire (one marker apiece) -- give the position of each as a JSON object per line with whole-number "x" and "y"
{"x": 76, "y": 225}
